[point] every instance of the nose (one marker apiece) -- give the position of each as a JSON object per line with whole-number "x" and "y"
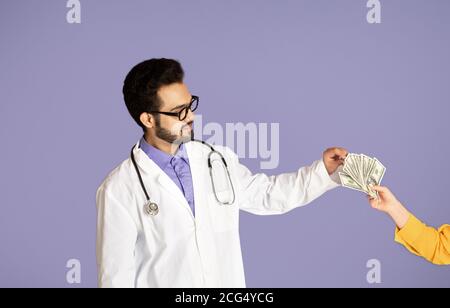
{"x": 190, "y": 116}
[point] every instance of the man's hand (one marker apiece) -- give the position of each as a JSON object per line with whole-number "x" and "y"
{"x": 333, "y": 158}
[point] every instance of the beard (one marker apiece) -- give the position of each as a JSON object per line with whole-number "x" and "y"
{"x": 176, "y": 136}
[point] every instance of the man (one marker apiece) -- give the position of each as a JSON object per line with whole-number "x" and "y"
{"x": 189, "y": 237}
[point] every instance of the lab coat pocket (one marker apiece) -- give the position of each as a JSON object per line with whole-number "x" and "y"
{"x": 224, "y": 217}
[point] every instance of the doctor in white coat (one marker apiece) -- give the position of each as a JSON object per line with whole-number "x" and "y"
{"x": 191, "y": 237}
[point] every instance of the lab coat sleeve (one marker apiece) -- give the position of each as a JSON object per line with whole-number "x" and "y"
{"x": 116, "y": 239}
{"x": 270, "y": 195}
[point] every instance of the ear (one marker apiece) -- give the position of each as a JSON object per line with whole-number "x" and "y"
{"x": 147, "y": 119}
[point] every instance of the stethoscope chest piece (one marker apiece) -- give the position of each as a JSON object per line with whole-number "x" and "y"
{"x": 151, "y": 208}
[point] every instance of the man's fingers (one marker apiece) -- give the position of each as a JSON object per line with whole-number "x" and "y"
{"x": 337, "y": 154}
{"x": 341, "y": 152}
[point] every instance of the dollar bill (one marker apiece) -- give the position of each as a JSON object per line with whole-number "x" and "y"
{"x": 360, "y": 172}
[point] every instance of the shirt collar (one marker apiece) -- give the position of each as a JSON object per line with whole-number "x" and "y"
{"x": 162, "y": 159}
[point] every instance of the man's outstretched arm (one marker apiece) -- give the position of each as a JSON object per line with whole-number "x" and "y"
{"x": 270, "y": 195}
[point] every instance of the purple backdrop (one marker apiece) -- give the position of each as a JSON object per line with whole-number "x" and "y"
{"x": 316, "y": 67}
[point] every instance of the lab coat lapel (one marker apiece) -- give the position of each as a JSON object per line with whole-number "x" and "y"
{"x": 171, "y": 188}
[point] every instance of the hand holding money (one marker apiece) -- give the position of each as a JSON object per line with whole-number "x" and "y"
{"x": 388, "y": 203}
{"x": 360, "y": 172}
{"x": 333, "y": 158}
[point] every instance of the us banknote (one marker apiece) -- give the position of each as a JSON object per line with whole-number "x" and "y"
{"x": 361, "y": 171}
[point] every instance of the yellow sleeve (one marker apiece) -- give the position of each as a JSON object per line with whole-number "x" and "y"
{"x": 424, "y": 241}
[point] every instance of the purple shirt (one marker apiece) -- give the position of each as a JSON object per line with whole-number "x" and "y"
{"x": 176, "y": 167}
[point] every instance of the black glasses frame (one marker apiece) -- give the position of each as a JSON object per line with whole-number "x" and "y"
{"x": 182, "y": 114}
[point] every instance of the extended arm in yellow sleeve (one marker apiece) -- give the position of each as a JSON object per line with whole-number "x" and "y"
{"x": 418, "y": 238}
{"x": 425, "y": 241}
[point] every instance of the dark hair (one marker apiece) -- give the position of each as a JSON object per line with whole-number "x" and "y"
{"x": 144, "y": 80}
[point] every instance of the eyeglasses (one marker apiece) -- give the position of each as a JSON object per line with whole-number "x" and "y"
{"x": 182, "y": 114}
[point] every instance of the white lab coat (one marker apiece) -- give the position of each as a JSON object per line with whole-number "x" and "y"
{"x": 174, "y": 249}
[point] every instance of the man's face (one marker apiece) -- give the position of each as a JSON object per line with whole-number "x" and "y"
{"x": 174, "y": 98}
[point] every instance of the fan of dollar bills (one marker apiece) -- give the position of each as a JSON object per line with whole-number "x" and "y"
{"x": 361, "y": 171}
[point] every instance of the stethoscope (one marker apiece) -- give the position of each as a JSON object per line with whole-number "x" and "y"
{"x": 152, "y": 209}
